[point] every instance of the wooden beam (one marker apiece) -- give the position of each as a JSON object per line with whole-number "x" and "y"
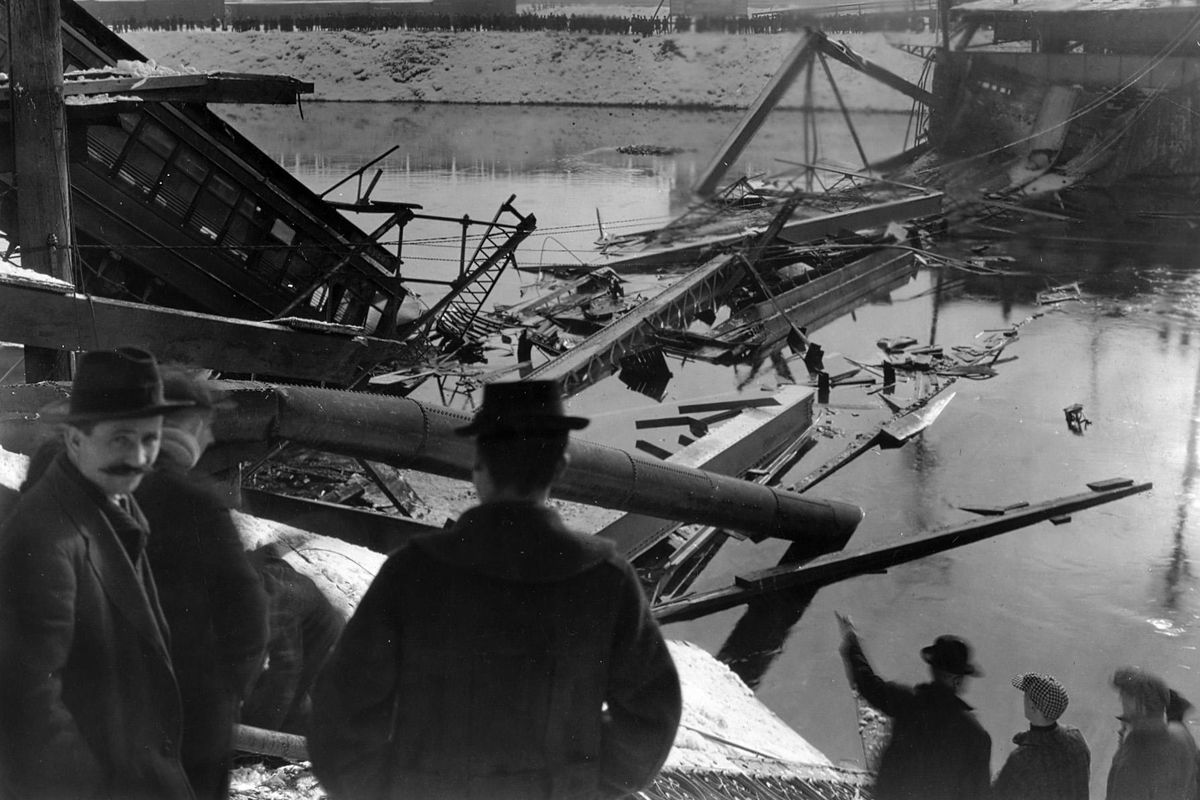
{"x": 39, "y": 132}
{"x": 840, "y": 52}
{"x": 839, "y": 566}
{"x": 68, "y": 321}
{"x": 217, "y": 87}
{"x": 733, "y": 146}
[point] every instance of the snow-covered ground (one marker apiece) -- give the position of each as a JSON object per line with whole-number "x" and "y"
{"x": 704, "y": 70}
{"x": 724, "y": 726}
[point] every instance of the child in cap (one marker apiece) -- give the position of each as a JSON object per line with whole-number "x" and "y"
{"x": 1051, "y": 761}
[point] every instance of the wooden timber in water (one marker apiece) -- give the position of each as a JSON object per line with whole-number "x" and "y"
{"x": 732, "y": 448}
{"x": 839, "y": 566}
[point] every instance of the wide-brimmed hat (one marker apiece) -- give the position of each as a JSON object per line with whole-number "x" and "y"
{"x": 950, "y": 654}
{"x": 181, "y": 385}
{"x": 114, "y": 384}
{"x": 518, "y": 407}
{"x": 1045, "y": 692}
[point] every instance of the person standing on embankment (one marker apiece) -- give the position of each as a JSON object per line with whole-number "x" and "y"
{"x": 507, "y": 658}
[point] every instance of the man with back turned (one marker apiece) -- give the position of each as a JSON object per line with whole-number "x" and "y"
{"x": 507, "y": 658}
{"x": 89, "y": 706}
{"x": 937, "y": 750}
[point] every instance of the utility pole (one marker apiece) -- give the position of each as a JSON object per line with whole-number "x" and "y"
{"x": 39, "y": 135}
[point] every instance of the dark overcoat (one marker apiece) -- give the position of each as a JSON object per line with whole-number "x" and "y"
{"x": 1154, "y": 762}
{"x": 216, "y": 608}
{"x": 508, "y": 659}
{"x": 88, "y": 702}
{"x": 937, "y": 750}
{"x": 1050, "y": 763}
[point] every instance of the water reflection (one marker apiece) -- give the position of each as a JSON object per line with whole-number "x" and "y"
{"x": 1177, "y": 577}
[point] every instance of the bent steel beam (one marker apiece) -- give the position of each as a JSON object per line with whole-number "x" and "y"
{"x": 411, "y": 434}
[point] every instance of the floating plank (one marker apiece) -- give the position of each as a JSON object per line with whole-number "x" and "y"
{"x": 652, "y": 449}
{"x": 723, "y": 405}
{"x": 730, "y": 449}
{"x": 663, "y": 422}
{"x": 906, "y": 423}
{"x": 906, "y": 426}
{"x": 839, "y": 566}
{"x": 993, "y": 511}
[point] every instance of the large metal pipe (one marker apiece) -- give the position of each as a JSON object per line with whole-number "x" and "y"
{"x": 414, "y": 435}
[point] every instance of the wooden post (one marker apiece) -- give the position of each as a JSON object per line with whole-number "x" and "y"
{"x": 40, "y": 153}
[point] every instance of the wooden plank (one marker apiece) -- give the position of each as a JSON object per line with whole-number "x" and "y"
{"x": 840, "y": 566}
{"x": 75, "y": 322}
{"x": 722, "y": 405}
{"x": 218, "y": 87}
{"x": 840, "y": 52}
{"x": 39, "y": 149}
{"x": 906, "y": 426}
{"x": 729, "y": 450}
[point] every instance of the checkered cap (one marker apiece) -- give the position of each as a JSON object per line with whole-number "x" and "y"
{"x": 1045, "y": 692}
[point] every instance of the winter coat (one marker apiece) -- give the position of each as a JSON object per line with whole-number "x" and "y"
{"x": 1154, "y": 763}
{"x": 1050, "y": 763}
{"x": 216, "y": 608}
{"x": 304, "y": 627}
{"x": 507, "y": 659}
{"x": 937, "y": 750}
{"x": 89, "y": 707}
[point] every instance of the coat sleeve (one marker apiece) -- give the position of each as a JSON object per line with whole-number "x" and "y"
{"x": 1012, "y": 782}
{"x": 42, "y": 752}
{"x": 886, "y": 696}
{"x": 354, "y": 699}
{"x": 978, "y": 774}
{"x": 644, "y": 698}
{"x": 237, "y": 599}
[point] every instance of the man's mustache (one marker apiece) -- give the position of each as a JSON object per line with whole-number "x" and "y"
{"x": 124, "y": 470}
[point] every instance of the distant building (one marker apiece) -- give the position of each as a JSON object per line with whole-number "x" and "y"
{"x": 710, "y": 8}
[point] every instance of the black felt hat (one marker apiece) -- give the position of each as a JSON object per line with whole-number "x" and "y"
{"x": 521, "y": 407}
{"x": 115, "y": 384}
{"x": 950, "y": 654}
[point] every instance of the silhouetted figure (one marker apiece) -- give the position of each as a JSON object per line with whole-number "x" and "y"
{"x": 211, "y": 597}
{"x": 303, "y": 627}
{"x": 1052, "y": 761}
{"x": 507, "y": 658}
{"x": 1156, "y": 757}
{"x": 937, "y": 750}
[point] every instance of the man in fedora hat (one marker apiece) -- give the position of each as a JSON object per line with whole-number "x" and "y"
{"x": 507, "y": 658}
{"x": 89, "y": 706}
{"x": 937, "y": 750}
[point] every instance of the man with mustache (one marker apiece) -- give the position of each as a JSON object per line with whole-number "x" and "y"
{"x": 89, "y": 706}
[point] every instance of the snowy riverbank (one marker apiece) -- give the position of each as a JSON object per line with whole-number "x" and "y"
{"x": 700, "y": 70}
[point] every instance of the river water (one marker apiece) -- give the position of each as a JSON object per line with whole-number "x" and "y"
{"x": 1116, "y": 586}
